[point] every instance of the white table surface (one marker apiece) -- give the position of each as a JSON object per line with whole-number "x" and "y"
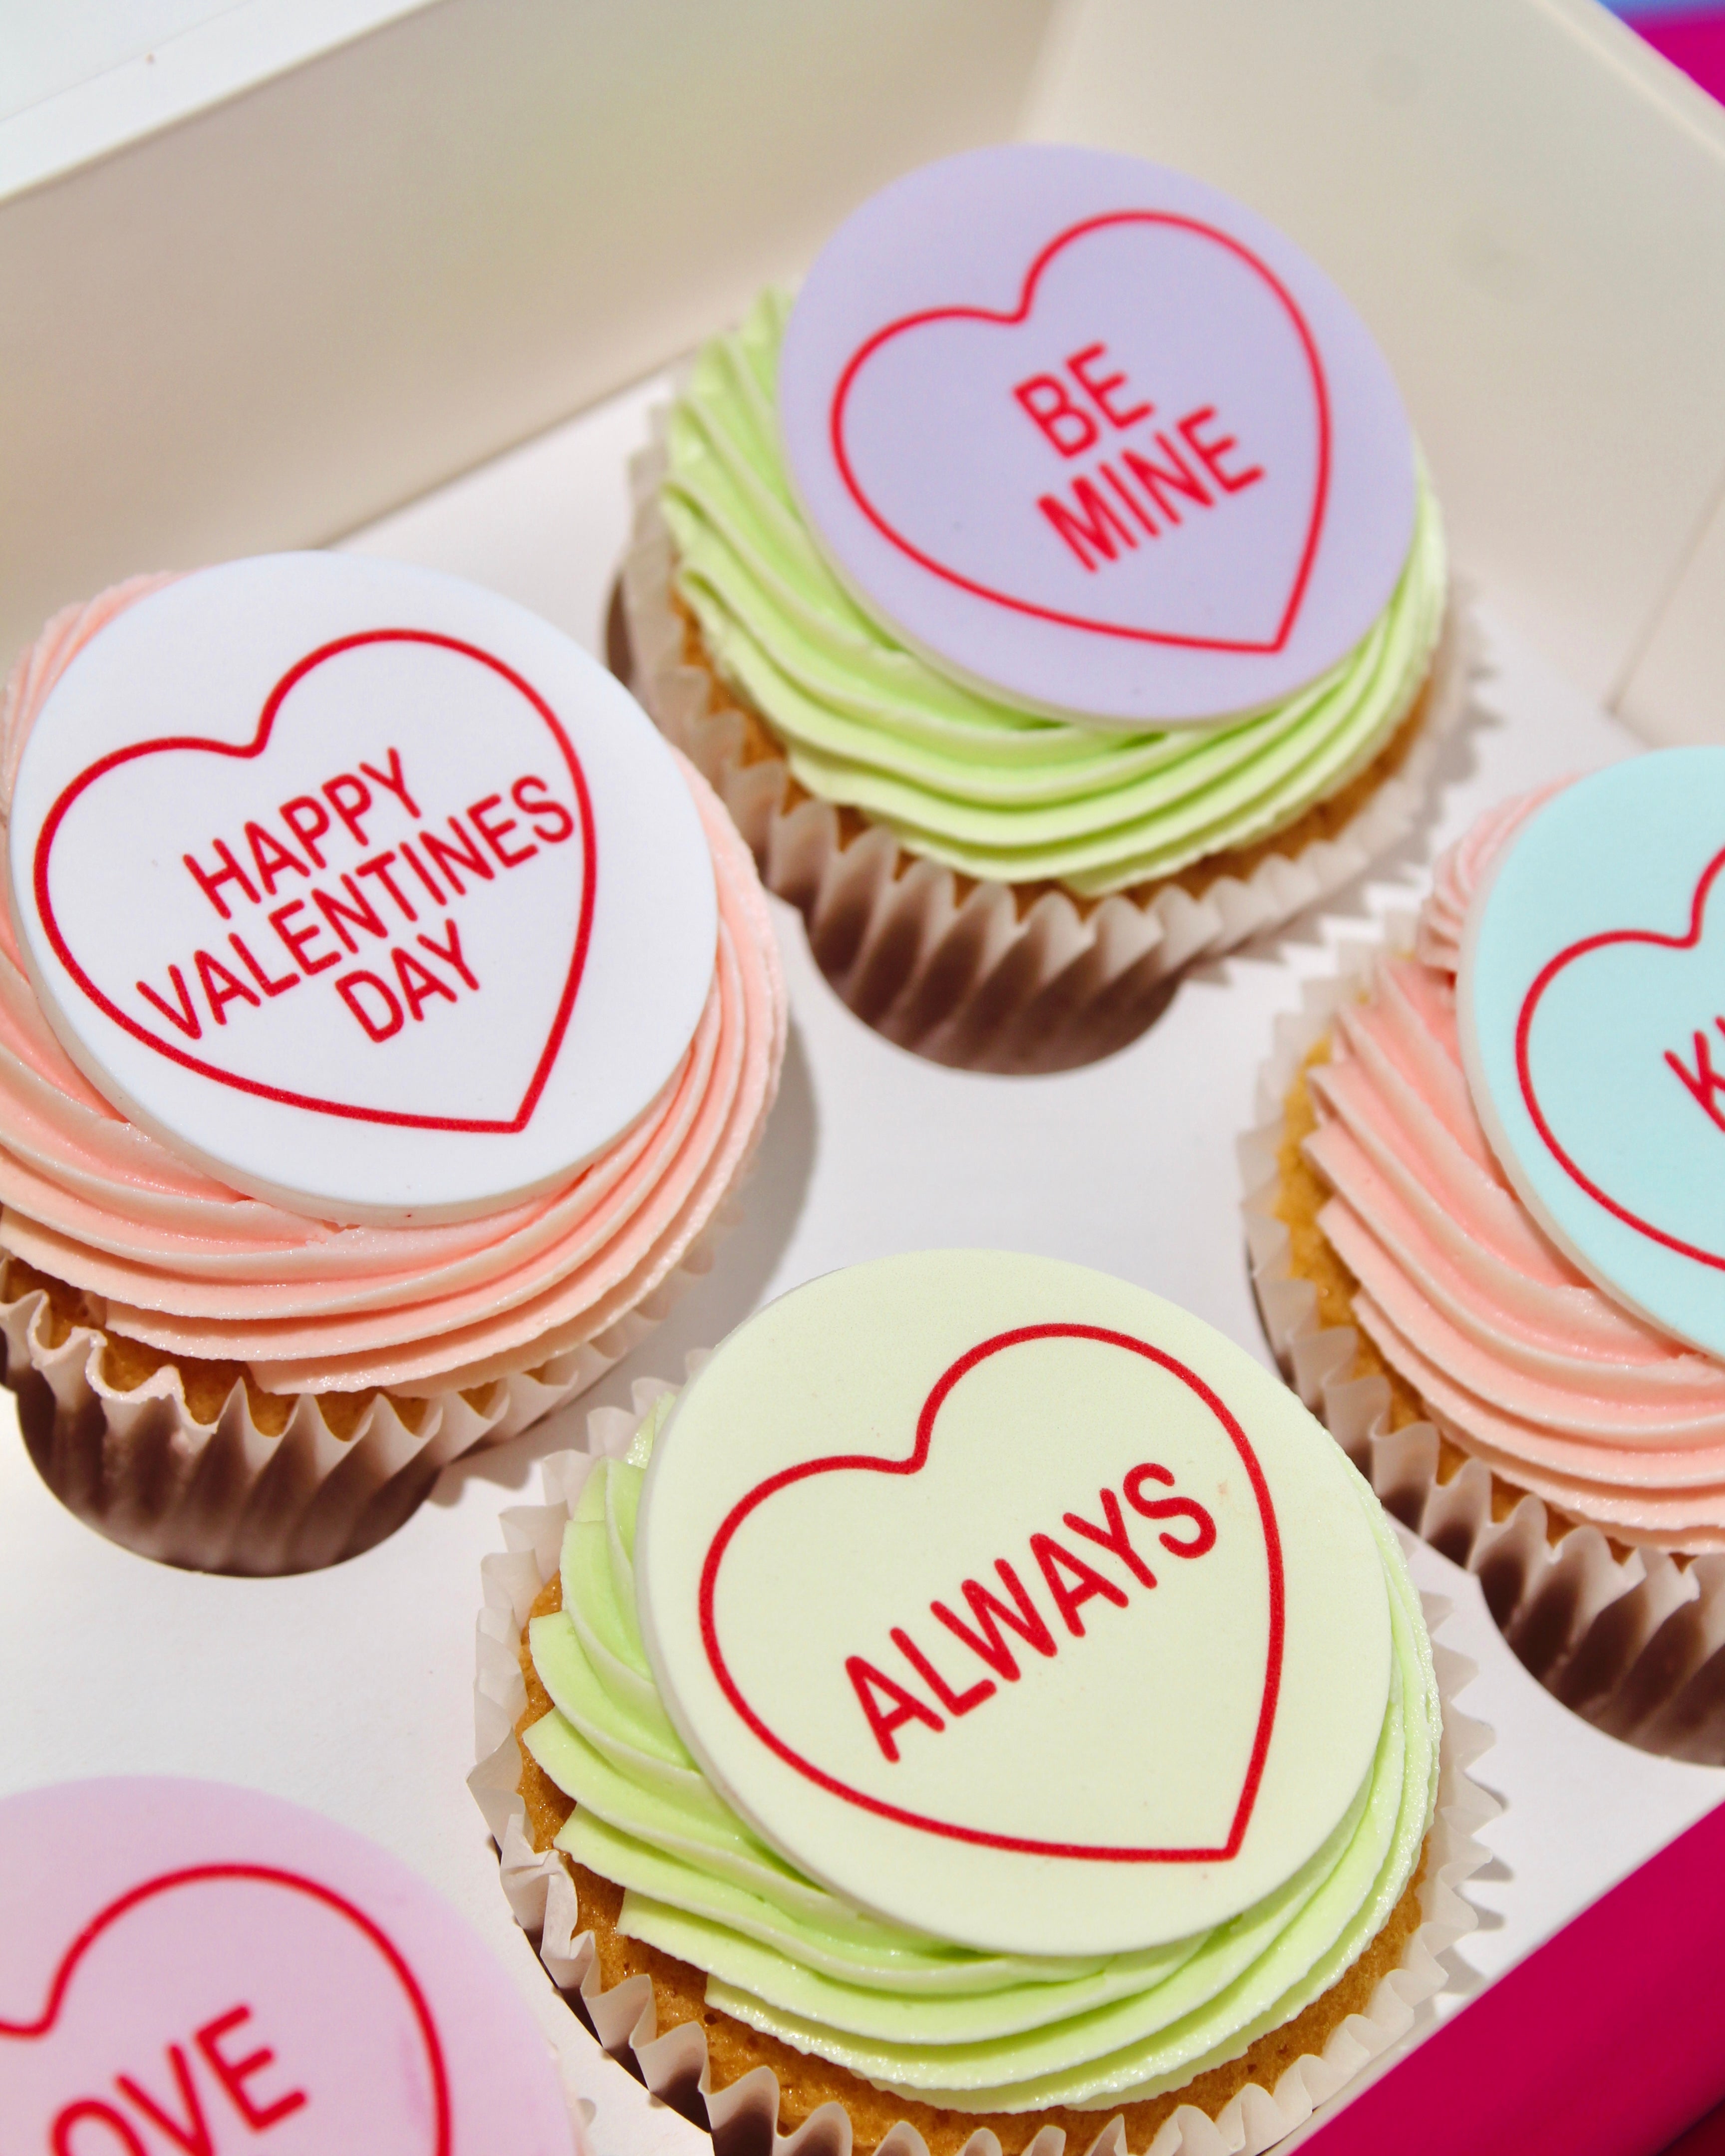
{"x": 350, "y": 1689}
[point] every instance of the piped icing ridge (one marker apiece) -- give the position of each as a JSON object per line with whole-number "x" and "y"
{"x": 987, "y": 789}
{"x": 183, "y": 1263}
{"x": 912, "y": 2013}
{"x": 1532, "y": 1367}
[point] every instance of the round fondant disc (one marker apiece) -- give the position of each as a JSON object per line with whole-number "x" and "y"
{"x": 364, "y": 888}
{"x": 194, "y": 1967}
{"x": 1096, "y": 438}
{"x": 1014, "y": 1603}
{"x": 1592, "y": 1030}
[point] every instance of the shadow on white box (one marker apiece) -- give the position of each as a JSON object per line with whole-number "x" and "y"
{"x": 310, "y": 258}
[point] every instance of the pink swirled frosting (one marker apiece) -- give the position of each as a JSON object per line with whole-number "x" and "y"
{"x": 194, "y": 1269}
{"x": 1524, "y": 1361}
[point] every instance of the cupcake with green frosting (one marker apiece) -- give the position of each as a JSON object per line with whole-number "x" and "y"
{"x": 986, "y": 884}
{"x": 969, "y": 1870}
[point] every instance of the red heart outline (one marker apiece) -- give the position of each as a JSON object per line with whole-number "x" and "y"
{"x": 259, "y": 741}
{"x": 1524, "y": 1073}
{"x": 872, "y": 1464}
{"x": 1027, "y": 298}
{"x": 266, "y": 1875}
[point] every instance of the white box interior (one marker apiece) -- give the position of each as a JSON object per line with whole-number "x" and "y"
{"x": 300, "y": 260}
{"x": 274, "y": 310}
{"x": 350, "y": 1689}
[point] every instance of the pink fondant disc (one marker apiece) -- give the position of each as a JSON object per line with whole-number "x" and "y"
{"x": 192, "y": 1967}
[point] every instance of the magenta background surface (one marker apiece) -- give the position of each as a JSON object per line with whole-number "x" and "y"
{"x": 1605, "y": 2041}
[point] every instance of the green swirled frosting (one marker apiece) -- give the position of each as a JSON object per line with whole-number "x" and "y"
{"x": 911, "y": 2013}
{"x": 993, "y": 791}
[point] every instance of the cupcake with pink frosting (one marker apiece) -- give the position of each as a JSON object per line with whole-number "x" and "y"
{"x": 225, "y": 1380}
{"x": 1408, "y": 1285}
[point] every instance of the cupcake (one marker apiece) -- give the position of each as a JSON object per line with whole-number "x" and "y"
{"x": 1029, "y": 699}
{"x": 271, "y": 1259}
{"x": 983, "y": 1700}
{"x": 1473, "y": 1216}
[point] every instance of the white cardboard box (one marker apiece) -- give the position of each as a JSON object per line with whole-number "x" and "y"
{"x": 350, "y": 1689}
{"x": 280, "y": 312}
{"x": 300, "y": 260}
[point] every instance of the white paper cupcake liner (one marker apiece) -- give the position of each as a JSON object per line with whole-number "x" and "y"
{"x": 743, "y": 2118}
{"x": 226, "y": 1497}
{"x": 1636, "y": 1644}
{"x": 966, "y": 980}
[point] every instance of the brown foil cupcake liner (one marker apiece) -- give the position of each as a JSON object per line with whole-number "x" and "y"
{"x": 949, "y": 967}
{"x": 1632, "y": 1641}
{"x": 743, "y": 2118}
{"x": 228, "y": 1496}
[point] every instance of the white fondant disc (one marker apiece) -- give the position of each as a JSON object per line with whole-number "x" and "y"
{"x": 1014, "y": 1603}
{"x": 1593, "y": 1029}
{"x": 1093, "y": 436}
{"x": 364, "y": 888}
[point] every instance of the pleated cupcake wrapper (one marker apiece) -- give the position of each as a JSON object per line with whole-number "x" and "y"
{"x": 966, "y": 981}
{"x": 743, "y": 2119}
{"x": 1636, "y": 1643}
{"x": 226, "y": 1497}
